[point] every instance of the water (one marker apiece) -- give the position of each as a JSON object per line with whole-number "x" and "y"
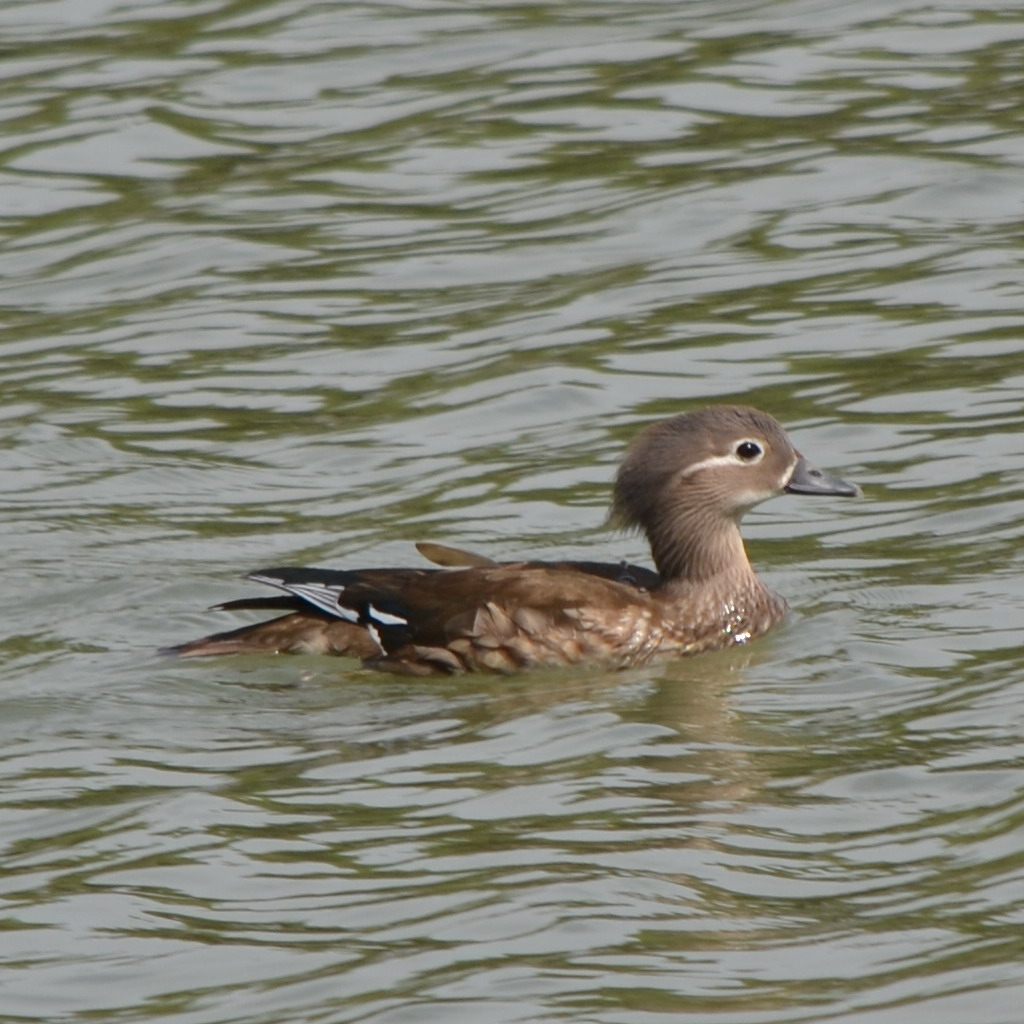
{"x": 296, "y": 282}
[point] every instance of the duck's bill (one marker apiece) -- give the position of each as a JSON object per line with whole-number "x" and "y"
{"x": 808, "y": 479}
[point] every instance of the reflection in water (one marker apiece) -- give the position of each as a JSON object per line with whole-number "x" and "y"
{"x": 302, "y": 284}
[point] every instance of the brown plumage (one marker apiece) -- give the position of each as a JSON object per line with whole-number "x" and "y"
{"x": 685, "y": 483}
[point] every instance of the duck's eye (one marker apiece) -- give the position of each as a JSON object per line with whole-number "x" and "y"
{"x": 748, "y": 451}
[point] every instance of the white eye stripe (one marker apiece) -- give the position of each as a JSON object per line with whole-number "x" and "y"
{"x": 714, "y": 460}
{"x": 732, "y": 459}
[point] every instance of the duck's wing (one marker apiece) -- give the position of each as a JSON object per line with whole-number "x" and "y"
{"x": 498, "y": 618}
{"x": 449, "y": 557}
{"x": 319, "y": 619}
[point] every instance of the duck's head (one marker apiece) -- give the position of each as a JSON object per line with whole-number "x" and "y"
{"x": 686, "y": 482}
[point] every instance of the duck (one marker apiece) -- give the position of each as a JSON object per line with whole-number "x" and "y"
{"x": 685, "y": 483}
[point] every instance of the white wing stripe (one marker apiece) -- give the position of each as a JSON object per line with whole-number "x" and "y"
{"x": 375, "y": 636}
{"x": 320, "y": 595}
{"x": 325, "y": 598}
{"x": 385, "y": 618}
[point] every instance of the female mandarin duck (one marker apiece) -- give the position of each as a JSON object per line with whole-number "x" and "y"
{"x": 685, "y": 482}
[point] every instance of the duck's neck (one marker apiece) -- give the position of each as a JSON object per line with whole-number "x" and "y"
{"x": 710, "y": 588}
{"x": 698, "y": 549}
